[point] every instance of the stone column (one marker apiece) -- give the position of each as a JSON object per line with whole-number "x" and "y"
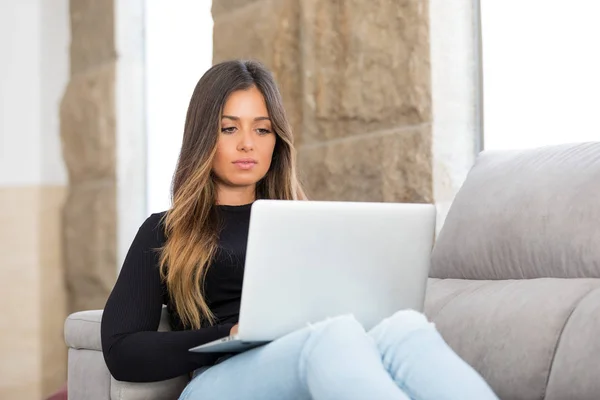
{"x": 88, "y": 139}
{"x": 355, "y": 78}
{"x": 269, "y": 31}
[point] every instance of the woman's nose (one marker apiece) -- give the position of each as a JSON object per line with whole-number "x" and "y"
{"x": 246, "y": 142}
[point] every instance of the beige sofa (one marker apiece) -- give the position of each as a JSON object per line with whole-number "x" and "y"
{"x": 514, "y": 288}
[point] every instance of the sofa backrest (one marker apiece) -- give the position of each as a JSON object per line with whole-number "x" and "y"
{"x": 525, "y": 214}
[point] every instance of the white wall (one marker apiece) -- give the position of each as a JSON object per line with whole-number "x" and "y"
{"x": 178, "y": 52}
{"x": 55, "y": 71}
{"x": 34, "y": 70}
{"x": 130, "y": 122}
{"x": 164, "y": 48}
{"x": 455, "y": 97}
{"x": 541, "y": 72}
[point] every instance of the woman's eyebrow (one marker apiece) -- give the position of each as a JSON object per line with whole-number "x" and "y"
{"x": 238, "y": 118}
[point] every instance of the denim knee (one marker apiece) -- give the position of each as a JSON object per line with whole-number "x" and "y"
{"x": 333, "y": 335}
{"x": 401, "y": 324}
{"x": 409, "y": 317}
{"x": 338, "y": 329}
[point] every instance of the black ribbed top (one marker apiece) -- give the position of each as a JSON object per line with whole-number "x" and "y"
{"x": 134, "y": 351}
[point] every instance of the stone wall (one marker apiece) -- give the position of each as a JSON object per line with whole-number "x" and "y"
{"x": 355, "y": 78}
{"x": 88, "y": 139}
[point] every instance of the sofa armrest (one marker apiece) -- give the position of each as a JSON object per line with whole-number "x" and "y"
{"x": 82, "y": 330}
{"x": 88, "y": 376}
{"x": 163, "y": 390}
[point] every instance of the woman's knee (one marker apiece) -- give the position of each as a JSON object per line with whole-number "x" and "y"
{"x": 335, "y": 333}
{"x": 410, "y": 318}
{"x": 342, "y": 325}
{"x": 401, "y": 324}
{"x": 331, "y": 343}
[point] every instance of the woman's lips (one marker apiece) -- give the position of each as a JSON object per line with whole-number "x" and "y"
{"x": 245, "y": 164}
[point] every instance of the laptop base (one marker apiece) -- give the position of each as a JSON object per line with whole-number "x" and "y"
{"x": 230, "y": 344}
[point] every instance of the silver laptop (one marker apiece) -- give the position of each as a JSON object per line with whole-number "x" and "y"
{"x": 310, "y": 260}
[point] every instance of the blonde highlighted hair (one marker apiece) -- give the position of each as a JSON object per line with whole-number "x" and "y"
{"x": 191, "y": 224}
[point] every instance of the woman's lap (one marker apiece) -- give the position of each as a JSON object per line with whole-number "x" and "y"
{"x": 312, "y": 362}
{"x": 250, "y": 374}
{"x": 336, "y": 359}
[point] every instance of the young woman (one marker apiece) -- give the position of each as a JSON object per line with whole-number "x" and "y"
{"x": 237, "y": 147}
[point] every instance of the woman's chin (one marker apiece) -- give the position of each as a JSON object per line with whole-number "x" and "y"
{"x": 243, "y": 182}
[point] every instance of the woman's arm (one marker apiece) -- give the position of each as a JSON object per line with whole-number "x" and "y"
{"x": 134, "y": 351}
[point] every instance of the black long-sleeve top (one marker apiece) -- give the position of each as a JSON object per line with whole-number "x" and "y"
{"x": 133, "y": 349}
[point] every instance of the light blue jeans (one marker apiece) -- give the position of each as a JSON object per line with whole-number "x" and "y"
{"x": 403, "y": 357}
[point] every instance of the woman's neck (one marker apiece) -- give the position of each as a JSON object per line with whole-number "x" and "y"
{"x": 235, "y": 196}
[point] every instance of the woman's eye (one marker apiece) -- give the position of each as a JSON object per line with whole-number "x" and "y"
{"x": 263, "y": 131}
{"x": 230, "y": 129}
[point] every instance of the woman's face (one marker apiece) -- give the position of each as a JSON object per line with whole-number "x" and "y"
{"x": 246, "y": 141}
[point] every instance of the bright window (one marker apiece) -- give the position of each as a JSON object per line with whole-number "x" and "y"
{"x": 541, "y": 72}
{"x": 178, "y": 52}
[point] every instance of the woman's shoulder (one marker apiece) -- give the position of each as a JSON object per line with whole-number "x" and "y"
{"x": 155, "y": 220}
{"x": 152, "y": 229}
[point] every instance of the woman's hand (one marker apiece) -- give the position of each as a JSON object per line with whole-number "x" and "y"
{"x": 234, "y": 330}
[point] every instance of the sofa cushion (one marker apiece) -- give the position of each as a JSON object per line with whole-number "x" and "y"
{"x": 575, "y": 371}
{"x": 525, "y": 214}
{"x": 509, "y": 331}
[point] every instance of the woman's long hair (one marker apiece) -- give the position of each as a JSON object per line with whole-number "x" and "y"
{"x": 191, "y": 223}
